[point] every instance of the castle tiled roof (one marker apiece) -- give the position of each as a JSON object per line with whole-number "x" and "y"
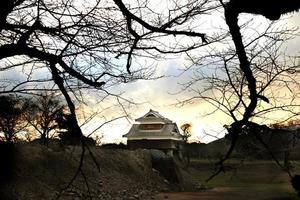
{"x": 153, "y": 126}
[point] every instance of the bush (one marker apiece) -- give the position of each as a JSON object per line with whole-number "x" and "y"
{"x": 7, "y": 164}
{"x": 70, "y": 139}
{"x": 296, "y": 183}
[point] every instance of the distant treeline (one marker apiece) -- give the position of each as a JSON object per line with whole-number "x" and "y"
{"x": 281, "y": 143}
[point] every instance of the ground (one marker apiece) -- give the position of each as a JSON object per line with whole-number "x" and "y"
{"x": 42, "y": 172}
{"x": 255, "y": 179}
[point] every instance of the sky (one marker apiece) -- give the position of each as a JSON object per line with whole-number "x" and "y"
{"x": 163, "y": 94}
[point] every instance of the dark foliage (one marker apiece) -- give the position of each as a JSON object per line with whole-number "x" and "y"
{"x": 65, "y": 123}
{"x": 7, "y": 156}
{"x": 68, "y": 133}
{"x": 195, "y": 150}
{"x": 70, "y": 139}
{"x": 296, "y": 183}
{"x": 12, "y": 109}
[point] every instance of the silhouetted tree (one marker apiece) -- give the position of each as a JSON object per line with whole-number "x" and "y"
{"x": 12, "y": 111}
{"x": 186, "y": 128}
{"x": 66, "y": 128}
{"x": 87, "y": 45}
{"x": 243, "y": 77}
{"x": 80, "y": 45}
{"x": 232, "y": 11}
{"x": 43, "y": 113}
{"x": 64, "y": 43}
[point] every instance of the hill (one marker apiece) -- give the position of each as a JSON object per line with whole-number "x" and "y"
{"x": 40, "y": 172}
{"x": 282, "y": 143}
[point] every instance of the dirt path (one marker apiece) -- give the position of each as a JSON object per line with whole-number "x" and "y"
{"x": 214, "y": 194}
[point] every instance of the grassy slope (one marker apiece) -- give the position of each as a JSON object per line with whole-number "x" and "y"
{"x": 40, "y": 173}
{"x": 251, "y": 180}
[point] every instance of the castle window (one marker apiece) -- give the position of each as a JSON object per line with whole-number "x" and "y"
{"x": 150, "y": 115}
{"x": 150, "y": 126}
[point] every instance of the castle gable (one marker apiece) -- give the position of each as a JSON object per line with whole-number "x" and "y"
{"x": 153, "y": 117}
{"x": 153, "y": 126}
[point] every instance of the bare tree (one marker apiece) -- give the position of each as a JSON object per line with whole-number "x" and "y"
{"x": 43, "y": 113}
{"x": 87, "y": 46}
{"x": 83, "y": 46}
{"x": 246, "y": 81}
{"x": 75, "y": 44}
{"x": 66, "y": 45}
{"x": 12, "y": 116}
{"x": 246, "y": 89}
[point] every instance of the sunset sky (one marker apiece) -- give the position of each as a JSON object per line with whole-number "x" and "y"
{"x": 162, "y": 95}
